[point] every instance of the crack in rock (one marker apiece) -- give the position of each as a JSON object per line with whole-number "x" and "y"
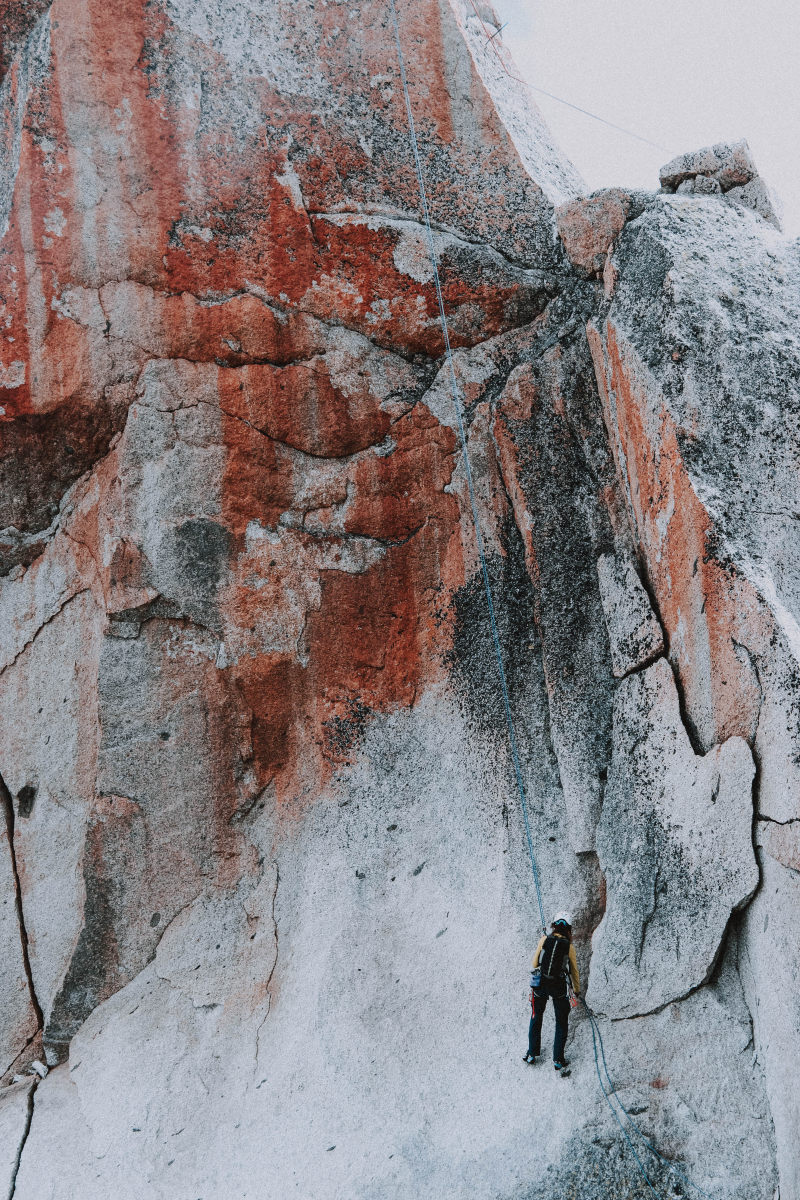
{"x": 8, "y": 810}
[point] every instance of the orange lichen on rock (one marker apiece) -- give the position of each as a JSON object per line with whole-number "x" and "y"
{"x": 333, "y": 606}
{"x": 589, "y": 227}
{"x": 701, "y": 600}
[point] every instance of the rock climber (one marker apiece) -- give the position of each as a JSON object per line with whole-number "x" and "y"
{"x": 554, "y": 968}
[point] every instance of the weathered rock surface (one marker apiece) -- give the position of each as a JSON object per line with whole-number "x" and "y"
{"x": 768, "y": 968}
{"x": 730, "y": 163}
{"x": 20, "y": 1021}
{"x": 675, "y": 847}
{"x": 558, "y": 473}
{"x": 700, "y": 375}
{"x": 273, "y": 875}
{"x": 589, "y": 227}
{"x": 724, "y": 168}
{"x": 16, "y": 1103}
{"x": 761, "y": 198}
{"x": 634, "y": 633}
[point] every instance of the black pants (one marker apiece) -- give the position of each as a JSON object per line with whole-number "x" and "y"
{"x": 557, "y": 992}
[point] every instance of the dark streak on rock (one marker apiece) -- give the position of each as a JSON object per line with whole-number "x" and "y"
{"x": 8, "y": 808}
{"x": 23, "y": 1140}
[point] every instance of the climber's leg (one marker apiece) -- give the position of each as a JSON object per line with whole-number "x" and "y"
{"x": 535, "y": 1027}
{"x": 561, "y": 1007}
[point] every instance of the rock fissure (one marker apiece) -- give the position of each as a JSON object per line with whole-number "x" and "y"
{"x": 63, "y": 604}
{"x": 348, "y": 456}
{"x": 690, "y": 728}
{"x": 268, "y": 984}
{"x": 643, "y": 665}
{"x": 752, "y": 734}
{"x": 24, "y": 1138}
{"x": 8, "y": 813}
{"x": 547, "y": 280}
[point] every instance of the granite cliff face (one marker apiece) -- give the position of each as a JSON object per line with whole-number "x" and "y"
{"x": 267, "y": 906}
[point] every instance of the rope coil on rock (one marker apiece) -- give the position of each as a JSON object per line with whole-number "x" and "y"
{"x": 597, "y": 1040}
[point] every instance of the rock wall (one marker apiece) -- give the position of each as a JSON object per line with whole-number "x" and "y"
{"x": 268, "y": 909}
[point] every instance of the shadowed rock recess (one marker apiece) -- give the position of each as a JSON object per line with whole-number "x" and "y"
{"x": 266, "y": 909}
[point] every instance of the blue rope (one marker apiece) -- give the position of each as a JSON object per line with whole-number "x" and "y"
{"x": 595, "y": 1035}
{"x": 512, "y": 737}
{"x": 613, "y": 1087}
{"x": 457, "y": 404}
{"x": 625, "y": 1134}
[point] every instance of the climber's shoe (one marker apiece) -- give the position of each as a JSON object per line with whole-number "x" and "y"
{"x": 530, "y": 1059}
{"x": 562, "y": 1067}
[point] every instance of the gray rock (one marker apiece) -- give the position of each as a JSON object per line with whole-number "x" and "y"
{"x": 17, "y": 1016}
{"x": 686, "y": 166}
{"x": 353, "y": 1035}
{"x": 48, "y": 747}
{"x": 633, "y": 629}
{"x": 675, "y": 845}
{"x": 757, "y": 195}
{"x": 737, "y": 166}
{"x": 14, "y": 1116}
{"x": 704, "y": 185}
{"x": 551, "y": 462}
{"x": 781, "y": 840}
{"x": 768, "y": 966}
{"x": 730, "y": 163}
{"x": 273, "y": 862}
{"x": 699, "y": 361}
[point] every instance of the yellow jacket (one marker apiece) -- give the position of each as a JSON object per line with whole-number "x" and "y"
{"x": 573, "y": 962}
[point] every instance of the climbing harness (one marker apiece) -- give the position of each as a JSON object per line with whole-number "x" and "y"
{"x": 597, "y": 1040}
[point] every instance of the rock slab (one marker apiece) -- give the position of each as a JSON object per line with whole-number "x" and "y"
{"x": 675, "y": 845}
{"x": 633, "y": 629}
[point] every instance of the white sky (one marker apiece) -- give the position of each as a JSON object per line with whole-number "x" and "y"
{"x": 683, "y": 73}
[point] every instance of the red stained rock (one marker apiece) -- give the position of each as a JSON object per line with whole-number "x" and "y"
{"x": 699, "y": 602}
{"x": 588, "y": 228}
{"x": 240, "y": 580}
{"x": 218, "y": 322}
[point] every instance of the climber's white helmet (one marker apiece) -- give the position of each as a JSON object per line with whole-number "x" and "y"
{"x": 562, "y": 918}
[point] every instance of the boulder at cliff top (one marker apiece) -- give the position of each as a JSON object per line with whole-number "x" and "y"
{"x": 723, "y": 169}
{"x": 730, "y": 163}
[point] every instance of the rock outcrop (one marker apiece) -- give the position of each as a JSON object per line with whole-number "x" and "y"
{"x": 726, "y": 168}
{"x": 267, "y": 903}
{"x": 676, "y": 848}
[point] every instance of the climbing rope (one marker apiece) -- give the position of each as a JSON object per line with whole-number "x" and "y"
{"x": 459, "y": 409}
{"x": 607, "y": 1095}
{"x": 612, "y": 1088}
{"x": 597, "y": 1040}
{"x": 559, "y": 99}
